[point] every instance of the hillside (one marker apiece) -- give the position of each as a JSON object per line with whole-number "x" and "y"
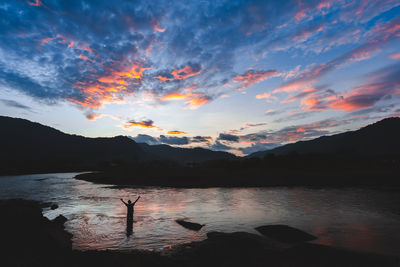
{"x": 380, "y": 138}
{"x": 29, "y": 146}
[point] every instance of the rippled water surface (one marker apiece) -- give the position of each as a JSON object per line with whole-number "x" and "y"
{"x": 357, "y": 218}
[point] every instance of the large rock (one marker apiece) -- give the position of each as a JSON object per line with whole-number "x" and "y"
{"x": 284, "y": 233}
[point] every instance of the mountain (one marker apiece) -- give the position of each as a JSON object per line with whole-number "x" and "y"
{"x": 32, "y": 147}
{"x": 380, "y": 138}
{"x": 185, "y": 155}
{"x": 26, "y": 145}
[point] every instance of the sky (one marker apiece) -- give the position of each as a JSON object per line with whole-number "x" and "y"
{"x": 228, "y": 75}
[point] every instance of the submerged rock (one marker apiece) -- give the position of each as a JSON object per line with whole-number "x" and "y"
{"x": 54, "y": 206}
{"x": 190, "y": 225}
{"x": 285, "y": 233}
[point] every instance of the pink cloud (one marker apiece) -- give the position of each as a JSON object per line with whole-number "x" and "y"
{"x": 251, "y": 77}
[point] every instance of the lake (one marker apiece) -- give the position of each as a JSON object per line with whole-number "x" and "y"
{"x": 364, "y": 219}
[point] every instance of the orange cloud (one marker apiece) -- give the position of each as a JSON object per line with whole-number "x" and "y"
{"x": 156, "y": 27}
{"x": 197, "y": 102}
{"x": 91, "y": 116}
{"x": 265, "y": 95}
{"x": 305, "y": 34}
{"x": 36, "y": 3}
{"x": 144, "y": 124}
{"x": 176, "y": 96}
{"x": 184, "y": 73}
{"x": 71, "y": 44}
{"x": 176, "y": 132}
{"x": 111, "y": 87}
{"x": 85, "y": 48}
{"x": 251, "y": 77}
{"x": 181, "y": 74}
{"x": 83, "y": 57}
{"x": 164, "y": 79}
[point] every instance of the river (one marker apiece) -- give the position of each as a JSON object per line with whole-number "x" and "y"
{"x": 364, "y": 219}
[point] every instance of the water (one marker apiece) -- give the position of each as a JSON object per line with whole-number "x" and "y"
{"x": 364, "y": 219}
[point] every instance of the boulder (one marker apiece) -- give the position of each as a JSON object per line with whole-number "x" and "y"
{"x": 54, "y": 206}
{"x": 190, "y": 225}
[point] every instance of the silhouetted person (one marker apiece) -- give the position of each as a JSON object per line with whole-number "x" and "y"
{"x": 129, "y": 215}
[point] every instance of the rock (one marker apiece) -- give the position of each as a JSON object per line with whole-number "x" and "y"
{"x": 54, "y": 206}
{"x": 190, "y": 225}
{"x": 284, "y": 233}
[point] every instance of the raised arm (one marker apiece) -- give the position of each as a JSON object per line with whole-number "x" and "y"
{"x": 123, "y": 201}
{"x": 136, "y": 200}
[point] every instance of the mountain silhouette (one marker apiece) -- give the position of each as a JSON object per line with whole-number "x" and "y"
{"x": 32, "y": 147}
{"x": 377, "y": 139}
{"x": 27, "y": 145}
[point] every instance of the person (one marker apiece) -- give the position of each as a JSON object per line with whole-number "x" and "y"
{"x": 129, "y": 206}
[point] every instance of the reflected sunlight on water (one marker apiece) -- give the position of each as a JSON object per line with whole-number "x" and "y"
{"x": 355, "y": 218}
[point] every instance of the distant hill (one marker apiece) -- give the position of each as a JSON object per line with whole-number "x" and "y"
{"x": 185, "y": 155}
{"x": 380, "y": 138}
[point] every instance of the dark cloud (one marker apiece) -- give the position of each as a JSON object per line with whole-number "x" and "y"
{"x": 228, "y": 137}
{"x": 171, "y": 140}
{"x": 143, "y": 123}
{"x": 219, "y": 146}
{"x": 201, "y": 139}
{"x": 14, "y": 104}
{"x": 174, "y": 140}
{"x": 144, "y": 138}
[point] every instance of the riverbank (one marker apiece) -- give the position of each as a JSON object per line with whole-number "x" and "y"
{"x": 29, "y": 239}
{"x": 249, "y": 177}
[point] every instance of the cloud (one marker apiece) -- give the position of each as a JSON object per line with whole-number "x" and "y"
{"x": 171, "y": 140}
{"x": 36, "y": 3}
{"x": 90, "y": 115}
{"x": 198, "y": 101}
{"x": 244, "y": 127}
{"x": 228, "y": 137}
{"x": 251, "y": 77}
{"x": 395, "y": 56}
{"x": 14, "y": 104}
{"x": 144, "y": 124}
{"x": 380, "y": 84}
{"x": 174, "y": 140}
{"x": 144, "y": 138}
{"x": 380, "y": 35}
{"x": 201, "y": 139}
{"x": 176, "y": 132}
{"x": 219, "y": 146}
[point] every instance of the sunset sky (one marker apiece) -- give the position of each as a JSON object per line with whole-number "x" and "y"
{"x": 237, "y": 76}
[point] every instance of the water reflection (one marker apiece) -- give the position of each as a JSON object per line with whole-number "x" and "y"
{"x": 363, "y": 219}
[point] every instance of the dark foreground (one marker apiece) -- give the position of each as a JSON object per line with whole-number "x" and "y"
{"x": 29, "y": 239}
